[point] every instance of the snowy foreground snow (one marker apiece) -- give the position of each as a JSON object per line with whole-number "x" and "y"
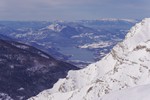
{"x": 136, "y": 93}
{"x": 126, "y": 66}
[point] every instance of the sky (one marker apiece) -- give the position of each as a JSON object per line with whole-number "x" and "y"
{"x": 25, "y": 10}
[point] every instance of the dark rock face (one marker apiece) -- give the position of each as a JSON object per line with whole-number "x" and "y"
{"x": 25, "y": 71}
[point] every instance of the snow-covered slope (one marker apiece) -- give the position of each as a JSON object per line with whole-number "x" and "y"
{"x": 127, "y": 65}
{"x": 136, "y": 93}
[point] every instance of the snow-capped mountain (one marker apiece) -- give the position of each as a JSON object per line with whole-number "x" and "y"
{"x": 25, "y": 71}
{"x": 56, "y": 27}
{"x": 127, "y": 65}
{"x": 115, "y": 19}
{"x": 111, "y": 23}
{"x": 79, "y": 42}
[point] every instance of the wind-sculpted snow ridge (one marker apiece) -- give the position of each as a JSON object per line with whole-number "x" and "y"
{"x": 127, "y": 65}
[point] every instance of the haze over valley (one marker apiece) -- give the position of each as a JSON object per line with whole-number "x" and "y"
{"x": 74, "y": 50}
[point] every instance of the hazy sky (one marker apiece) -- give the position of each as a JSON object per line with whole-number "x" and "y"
{"x": 73, "y": 9}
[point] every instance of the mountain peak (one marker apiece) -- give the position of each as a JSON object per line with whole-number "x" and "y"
{"x": 127, "y": 65}
{"x": 140, "y": 33}
{"x": 56, "y": 27}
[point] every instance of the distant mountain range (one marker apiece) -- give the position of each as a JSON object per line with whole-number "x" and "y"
{"x": 79, "y": 42}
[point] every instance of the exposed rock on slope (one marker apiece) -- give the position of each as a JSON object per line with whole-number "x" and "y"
{"x": 25, "y": 71}
{"x": 127, "y": 65}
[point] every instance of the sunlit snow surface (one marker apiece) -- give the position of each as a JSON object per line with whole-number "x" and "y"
{"x": 127, "y": 65}
{"x": 136, "y": 93}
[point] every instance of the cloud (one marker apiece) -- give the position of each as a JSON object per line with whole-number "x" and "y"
{"x": 72, "y": 9}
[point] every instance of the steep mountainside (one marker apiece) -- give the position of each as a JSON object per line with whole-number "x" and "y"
{"x": 25, "y": 71}
{"x": 127, "y": 65}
